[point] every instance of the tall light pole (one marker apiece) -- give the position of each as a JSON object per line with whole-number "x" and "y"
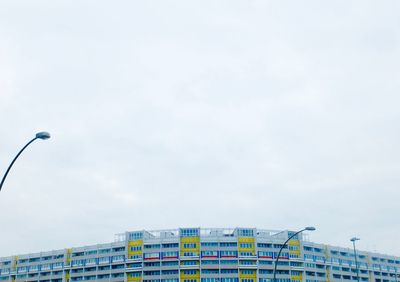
{"x": 309, "y": 228}
{"x": 39, "y": 135}
{"x": 354, "y": 239}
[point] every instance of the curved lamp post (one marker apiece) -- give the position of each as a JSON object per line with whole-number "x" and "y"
{"x": 354, "y": 239}
{"x": 39, "y": 135}
{"x": 309, "y": 228}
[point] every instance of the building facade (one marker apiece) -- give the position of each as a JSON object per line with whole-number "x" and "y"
{"x": 201, "y": 255}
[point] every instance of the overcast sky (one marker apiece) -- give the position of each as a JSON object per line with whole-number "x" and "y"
{"x": 167, "y": 114}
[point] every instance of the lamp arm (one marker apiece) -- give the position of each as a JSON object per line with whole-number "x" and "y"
{"x": 13, "y": 161}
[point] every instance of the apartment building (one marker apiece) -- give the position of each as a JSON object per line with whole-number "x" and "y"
{"x": 201, "y": 255}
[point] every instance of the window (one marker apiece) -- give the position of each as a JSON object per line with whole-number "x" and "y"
{"x": 170, "y": 245}
{"x": 247, "y": 262}
{"x": 136, "y": 248}
{"x": 151, "y": 273}
{"x": 4, "y": 271}
{"x": 189, "y": 245}
{"x": 191, "y": 232}
{"x": 209, "y": 280}
{"x": 152, "y": 246}
{"x": 90, "y": 261}
{"x": 209, "y": 253}
{"x": 169, "y": 272}
{"x": 265, "y": 271}
{"x": 265, "y": 261}
{"x": 47, "y": 258}
{"x": 209, "y": 271}
{"x": 104, "y": 260}
{"x": 214, "y": 261}
{"x": 223, "y": 271}
{"x": 148, "y": 256}
{"x": 228, "y": 253}
{"x": 22, "y": 260}
{"x": 247, "y": 271}
{"x": 246, "y": 245}
{"x": 229, "y": 279}
{"x": 34, "y": 268}
{"x": 228, "y": 261}
{"x": 58, "y": 265}
{"x": 246, "y": 254}
{"x": 262, "y": 254}
{"x": 189, "y": 262}
{"x": 245, "y": 233}
{"x": 228, "y": 244}
{"x": 91, "y": 252}
{"x": 135, "y": 274}
{"x": 21, "y": 269}
{"x": 134, "y": 265}
{"x": 209, "y": 244}
{"x": 169, "y": 263}
{"x": 118, "y": 258}
{"x": 278, "y": 246}
{"x": 190, "y": 254}
{"x": 116, "y": 275}
{"x": 76, "y": 262}
{"x": 264, "y": 245}
{"x": 105, "y": 267}
{"x": 135, "y": 236}
{"x": 167, "y": 255}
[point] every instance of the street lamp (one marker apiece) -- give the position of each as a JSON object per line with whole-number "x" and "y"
{"x": 354, "y": 239}
{"x": 39, "y": 135}
{"x": 309, "y": 228}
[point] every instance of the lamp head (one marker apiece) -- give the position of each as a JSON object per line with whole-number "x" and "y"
{"x": 310, "y": 228}
{"x": 354, "y": 239}
{"x": 43, "y": 135}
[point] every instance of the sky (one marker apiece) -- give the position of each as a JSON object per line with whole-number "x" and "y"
{"x": 166, "y": 114}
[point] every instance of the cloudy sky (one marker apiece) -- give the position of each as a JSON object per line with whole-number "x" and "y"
{"x": 166, "y": 114}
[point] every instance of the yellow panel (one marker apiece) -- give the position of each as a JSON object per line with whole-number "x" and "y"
{"x": 67, "y": 275}
{"x": 196, "y": 275}
{"x": 328, "y": 275}
{"x": 297, "y": 277}
{"x": 252, "y": 275}
{"x": 134, "y": 279}
{"x": 68, "y": 258}
{"x": 294, "y": 244}
{"x": 247, "y": 240}
{"x": 190, "y": 240}
{"x": 135, "y": 252}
